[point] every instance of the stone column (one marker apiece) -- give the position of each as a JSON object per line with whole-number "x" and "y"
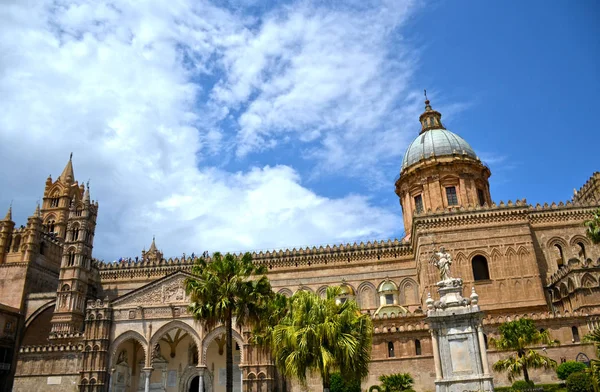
{"x": 147, "y": 373}
{"x": 110, "y": 379}
{"x": 484, "y": 360}
{"x": 200, "y": 378}
{"x": 436, "y": 356}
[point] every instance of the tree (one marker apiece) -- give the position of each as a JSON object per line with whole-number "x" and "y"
{"x": 593, "y": 227}
{"x": 338, "y": 384}
{"x": 594, "y": 370}
{"x": 324, "y": 335}
{"x": 396, "y": 382}
{"x": 567, "y": 368}
{"x": 517, "y": 336}
{"x": 227, "y": 289}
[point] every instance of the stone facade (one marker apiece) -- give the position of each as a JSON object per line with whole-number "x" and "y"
{"x": 71, "y": 322}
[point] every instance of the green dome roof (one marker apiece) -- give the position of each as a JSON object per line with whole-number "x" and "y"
{"x": 436, "y": 143}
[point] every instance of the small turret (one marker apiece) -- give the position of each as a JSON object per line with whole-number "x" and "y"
{"x": 6, "y": 230}
{"x": 34, "y": 232}
{"x": 8, "y": 216}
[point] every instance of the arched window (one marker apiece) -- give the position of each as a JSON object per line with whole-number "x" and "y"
{"x": 391, "y": 353}
{"x": 50, "y": 226}
{"x": 581, "y": 250}
{"x": 560, "y": 261}
{"x": 575, "y": 333}
{"x": 78, "y": 211}
{"x": 417, "y": 347}
{"x": 54, "y": 201}
{"x": 75, "y": 233}
{"x": 480, "y": 268}
{"x": 71, "y": 259}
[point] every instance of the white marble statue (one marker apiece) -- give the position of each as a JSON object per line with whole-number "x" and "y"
{"x": 442, "y": 260}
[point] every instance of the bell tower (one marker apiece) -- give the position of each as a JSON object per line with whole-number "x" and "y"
{"x": 76, "y": 272}
{"x": 58, "y": 197}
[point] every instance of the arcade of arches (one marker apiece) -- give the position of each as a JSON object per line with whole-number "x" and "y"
{"x": 174, "y": 364}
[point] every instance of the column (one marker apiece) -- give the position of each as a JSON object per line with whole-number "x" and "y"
{"x": 241, "y": 379}
{"x": 484, "y": 359}
{"x": 147, "y": 373}
{"x": 200, "y": 378}
{"x": 436, "y": 356}
{"x": 110, "y": 379}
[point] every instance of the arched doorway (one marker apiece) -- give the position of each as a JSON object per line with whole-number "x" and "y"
{"x": 126, "y": 353}
{"x": 195, "y": 384}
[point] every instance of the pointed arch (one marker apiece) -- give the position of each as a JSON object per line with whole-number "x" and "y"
{"x": 215, "y": 333}
{"x": 588, "y": 281}
{"x": 518, "y": 290}
{"x": 461, "y": 263}
{"x": 529, "y": 288}
{"x": 579, "y": 238}
{"x": 480, "y": 267}
{"x": 176, "y": 324}
{"x": 367, "y": 295}
{"x": 523, "y": 257}
{"x": 285, "y": 291}
{"x": 125, "y": 336}
{"x": 511, "y": 262}
{"x": 495, "y": 263}
{"x": 409, "y": 292}
{"x": 564, "y": 290}
{"x": 322, "y": 291}
{"x": 305, "y": 288}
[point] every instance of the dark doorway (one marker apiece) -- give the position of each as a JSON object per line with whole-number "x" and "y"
{"x": 195, "y": 384}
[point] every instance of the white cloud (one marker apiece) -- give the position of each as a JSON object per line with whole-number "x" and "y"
{"x": 121, "y": 85}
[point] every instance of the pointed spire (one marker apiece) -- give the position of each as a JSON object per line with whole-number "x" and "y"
{"x": 67, "y": 174}
{"x": 86, "y": 194}
{"x": 8, "y": 216}
{"x": 430, "y": 119}
{"x": 153, "y": 246}
{"x": 37, "y": 212}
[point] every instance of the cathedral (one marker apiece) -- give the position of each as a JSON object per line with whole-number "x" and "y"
{"x": 70, "y": 322}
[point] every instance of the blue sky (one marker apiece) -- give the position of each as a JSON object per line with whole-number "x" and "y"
{"x": 256, "y": 125}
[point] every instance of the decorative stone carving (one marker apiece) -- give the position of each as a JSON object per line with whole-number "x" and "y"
{"x": 168, "y": 291}
{"x": 442, "y": 261}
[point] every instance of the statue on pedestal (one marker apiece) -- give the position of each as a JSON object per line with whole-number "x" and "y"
{"x": 442, "y": 261}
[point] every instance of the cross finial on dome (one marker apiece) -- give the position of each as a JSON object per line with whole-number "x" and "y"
{"x": 430, "y": 119}
{"x": 427, "y": 105}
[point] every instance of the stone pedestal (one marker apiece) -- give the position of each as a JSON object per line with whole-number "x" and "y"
{"x": 458, "y": 344}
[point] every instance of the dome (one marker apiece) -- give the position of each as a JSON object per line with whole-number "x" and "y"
{"x": 436, "y": 143}
{"x": 388, "y": 285}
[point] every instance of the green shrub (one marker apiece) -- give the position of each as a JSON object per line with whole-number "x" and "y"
{"x": 579, "y": 382}
{"x": 338, "y": 384}
{"x": 522, "y": 384}
{"x": 565, "y": 369}
{"x": 553, "y": 387}
{"x": 396, "y": 382}
{"x": 375, "y": 388}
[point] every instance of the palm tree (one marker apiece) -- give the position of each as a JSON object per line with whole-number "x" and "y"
{"x": 225, "y": 289}
{"x": 594, "y": 370}
{"x": 517, "y": 336}
{"x": 324, "y": 335}
{"x": 593, "y": 227}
